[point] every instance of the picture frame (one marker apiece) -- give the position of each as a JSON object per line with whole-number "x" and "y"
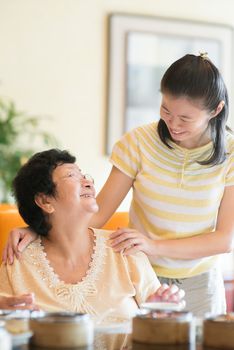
{"x": 140, "y": 49}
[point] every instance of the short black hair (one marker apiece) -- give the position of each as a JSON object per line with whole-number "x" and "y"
{"x": 35, "y": 177}
{"x": 196, "y": 77}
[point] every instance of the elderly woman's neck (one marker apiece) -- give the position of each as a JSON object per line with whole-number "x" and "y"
{"x": 69, "y": 253}
{"x": 69, "y": 240}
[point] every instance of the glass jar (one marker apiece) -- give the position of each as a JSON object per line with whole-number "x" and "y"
{"x": 5, "y": 338}
{"x": 17, "y": 321}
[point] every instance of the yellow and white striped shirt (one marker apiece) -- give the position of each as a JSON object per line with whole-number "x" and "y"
{"x": 173, "y": 195}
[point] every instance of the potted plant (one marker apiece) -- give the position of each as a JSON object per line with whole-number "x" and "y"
{"x": 19, "y": 133}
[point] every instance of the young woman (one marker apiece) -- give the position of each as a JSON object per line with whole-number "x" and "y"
{"x": 181, "y": 170}
{"x": 69, "y": 266}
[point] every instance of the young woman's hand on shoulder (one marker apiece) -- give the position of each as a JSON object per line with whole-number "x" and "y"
{"x": 131, "y": 241}
{"x": 18, "y": 239}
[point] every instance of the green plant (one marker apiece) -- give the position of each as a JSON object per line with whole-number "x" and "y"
{"x": 20, "y": 137}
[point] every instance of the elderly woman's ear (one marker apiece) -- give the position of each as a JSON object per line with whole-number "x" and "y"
{"x": 44, "y": 202}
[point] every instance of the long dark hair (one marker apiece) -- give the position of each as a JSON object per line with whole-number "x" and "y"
{"x": 196, "y": 77}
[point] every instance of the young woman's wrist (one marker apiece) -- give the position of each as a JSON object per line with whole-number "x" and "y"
{"x": 158, "y": 248}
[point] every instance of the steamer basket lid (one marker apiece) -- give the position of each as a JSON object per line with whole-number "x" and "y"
{"x": 166, "y": 315}
{"x": 59, "y": 317}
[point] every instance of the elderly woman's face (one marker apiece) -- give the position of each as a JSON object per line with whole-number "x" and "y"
{"x": 73, "y": 189}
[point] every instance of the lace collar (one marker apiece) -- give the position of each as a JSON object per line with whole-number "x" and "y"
{"x": 73, "y": 293}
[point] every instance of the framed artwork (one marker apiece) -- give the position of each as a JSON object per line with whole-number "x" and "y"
{"x": 141, "y": 48}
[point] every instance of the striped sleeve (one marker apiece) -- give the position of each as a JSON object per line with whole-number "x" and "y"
{"x": 126, "y": 156}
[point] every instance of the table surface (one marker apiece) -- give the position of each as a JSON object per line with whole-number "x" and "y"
{"x": 110, "y": 341}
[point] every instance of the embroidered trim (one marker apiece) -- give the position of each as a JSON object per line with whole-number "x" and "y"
{"x": 74, "y": 295}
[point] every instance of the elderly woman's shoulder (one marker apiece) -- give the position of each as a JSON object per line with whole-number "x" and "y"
{"x": 99, "y": 232}
{"x": 34, "y": 250}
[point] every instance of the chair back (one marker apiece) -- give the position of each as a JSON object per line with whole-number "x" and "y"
{"x": 118, "y": 219}
{"x": 9, "y": 218}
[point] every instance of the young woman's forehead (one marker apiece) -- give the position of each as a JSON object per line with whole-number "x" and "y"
{"x": 182, "y": 100}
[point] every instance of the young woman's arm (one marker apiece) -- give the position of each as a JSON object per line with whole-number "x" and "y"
{"x": 111, "y": 195}
{"x": 212, "y": 243}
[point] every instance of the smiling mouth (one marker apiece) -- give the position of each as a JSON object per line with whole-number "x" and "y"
{"x": 87, "y": 196}
{"x": 176, "y": 132}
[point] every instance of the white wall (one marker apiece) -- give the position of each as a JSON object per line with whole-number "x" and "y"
{"x": 53, "y": 58}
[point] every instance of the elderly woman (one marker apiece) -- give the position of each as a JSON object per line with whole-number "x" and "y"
{"x": 70, "y": 266}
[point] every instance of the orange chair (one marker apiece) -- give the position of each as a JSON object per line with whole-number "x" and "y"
{"x": 118, "y": 219}
{"x": 10, "y": 218}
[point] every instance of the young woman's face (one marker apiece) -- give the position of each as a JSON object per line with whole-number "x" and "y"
{"x": 186, "y": 121}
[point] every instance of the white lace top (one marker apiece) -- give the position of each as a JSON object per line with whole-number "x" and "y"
{"x": 113, "y": 281}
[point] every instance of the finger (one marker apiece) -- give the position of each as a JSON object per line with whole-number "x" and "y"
{"x": 24, "y": 243}
{"x": 18, "y": 300}
{"x": 175, "y": 298}
{"x": 161, "y": 289}
{"x": 171, "y": 293}
{"x": 157, "y": 296}
{"x": 16, "y": 237}
{"x": 30, "y": 298}
{"x": 10, "y": 255}
{"x": 125, "y": 245}
{"x": 4, "y": 255}
{"x": 132, "y": 250}
{"x": 15, "y": 252}
{"x": 115, "y": 233}
{"x": 121, "y": 238}
{"x": 172, "y": 289}
{"x": 183, "y": 304}
{"x": 120, "y": 231}
{"x": 25, "y": 307}
{"x": 181, "y": 294}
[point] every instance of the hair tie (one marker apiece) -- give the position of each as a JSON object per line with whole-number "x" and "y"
{"x": 204, "y": 55}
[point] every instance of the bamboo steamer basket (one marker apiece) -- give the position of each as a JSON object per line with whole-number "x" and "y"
{"x": 62, "y": 330}
{"x": 218, "y": 332}
{"x": 163, "y": 327}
